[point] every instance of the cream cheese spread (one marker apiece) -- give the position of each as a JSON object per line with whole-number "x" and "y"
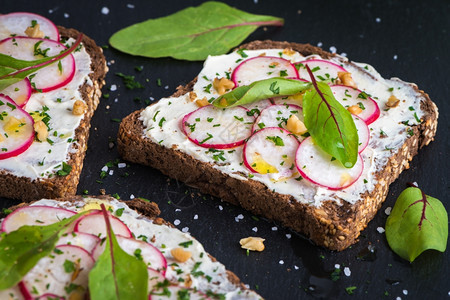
{"x": 165, "y": 238}
{"x": 43, "y": 159}
{"x": 162, "y": 125}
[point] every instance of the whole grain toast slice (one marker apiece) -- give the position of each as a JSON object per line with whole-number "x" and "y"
{"x": 148, "y": 212}
{"x": 336, "y": 224}
{"x": 28, "y": 189}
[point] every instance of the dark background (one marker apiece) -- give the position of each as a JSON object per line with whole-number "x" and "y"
{"x": 405, "y": 39}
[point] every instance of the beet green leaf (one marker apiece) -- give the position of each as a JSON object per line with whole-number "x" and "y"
{"x": 191, "y": 34}
{"x": 330, "y": 124}
{"x": 260, "y": 90}
{"x": 417, "y": 223}
{"x": 14, "y": 70}
{"x": 20, "y": 250}
{"x": 116, "y": 274}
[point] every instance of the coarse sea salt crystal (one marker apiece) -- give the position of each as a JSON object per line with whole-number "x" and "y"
{"x": 105, "y": 10}
{"x": 388, "y": 210}
{"x": 185, "y": 229}
{"x": 378, "y": 20}
{"x": 337, "y": 266}
{"x": 347, "y": 271}
{"x": 196, "y": 217}
{"x": 405, "y": 292}
{"x": 333, "y": 49}
{"x": 281, "y": 262}
{"x": 66, "y": 15}
{"x": 176, "y": 222}
{"x": 177, "y": 210}
{"x": 220, "y": 207}
{"x": 113, "y": 87}
{"x": 288, "y": 235}
{"x": 105, "y": 169}
{"x": 274, "y": 228}
{"x": 255, "y": 229}
{"x": 296, "y": 267}
{"x": 380, "y": 229}
{"x": 121, "y": 165}
{"x": 130, "y": 5}
{"x": 111, "y": 172}
{"x": 131, "y": 197}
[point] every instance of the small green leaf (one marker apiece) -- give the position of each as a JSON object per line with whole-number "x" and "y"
{"x": 193, "y": 33}
{"x": 116, "y": 274}
{"x": 260, "y": 90}
{"x": 20, "y": 250}
{"x": 417, "y": 223}
{"x": 330, "y": 124}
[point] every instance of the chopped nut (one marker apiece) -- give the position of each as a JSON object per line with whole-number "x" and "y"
{"x": 34, "y": 32}
{"x": 345, "y": 178}
{"x": 262, "y": 54}
{"x": 79, "y": 107}
{"x": 202, "y": 102}
{"x": 346, "y": 79}
{"x": 354, "y": 109}
{"x": 295, "y": 126}
{"x": 274, "y": 64}
{"x": 252, "y": 243}
{"x": 41, "y": 130}
{"x": 222, "y": 85}
{"x": 288, "y": 51}
{"x": 393, "y": 101}
{"x": 180, "y": 255}
{"x": 188, "y": 281}
{"x": 297, "y": 97}
{"x": 192, "y": 96}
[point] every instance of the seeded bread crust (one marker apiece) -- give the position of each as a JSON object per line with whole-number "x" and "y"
{"x": 24, "y": 188}
{"x": 149, "y": 210}
{"x": 334, "y": 225}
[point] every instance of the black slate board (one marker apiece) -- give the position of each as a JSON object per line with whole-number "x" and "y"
{"x": 405, "y": 39}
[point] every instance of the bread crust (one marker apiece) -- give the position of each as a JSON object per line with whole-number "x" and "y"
{"x": 334, "y": 225}
{"x": 25, "y": 188}
{"x": 144, "y": 207}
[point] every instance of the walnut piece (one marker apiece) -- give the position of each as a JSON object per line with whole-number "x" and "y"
{"x": 288, "y": 51}
{"x": 202, "y": 102}
{"x": 346, "y": 79}
{"x": 252, "y": 243}
{"x": 34, "y": 32}
{"x": 392, "y": 101}
{"x": 222, "y": 85}
{"x": 354, "y": 109}
{"x": 296, "y": 126}
{"x": 180, "y": 255}
{"x": 41, "y": 130}
{"x": 79, "y": 107}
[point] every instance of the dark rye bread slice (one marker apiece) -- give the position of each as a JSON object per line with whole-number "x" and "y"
{"x": 26, "y": 189}
{"x": 335, "y": 224}
{"x": 147, "y": 209}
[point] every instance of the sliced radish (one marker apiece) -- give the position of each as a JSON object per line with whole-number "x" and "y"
{"x": 323, "y": 70}
{"x": 34, "y": 215}
{"x": 277, "y": 115}
{"x": 320, "y": 168}
{"x": 255, "y": 108}
{"x": 349, "y": 96}
{"x": 84, "y": 240}
{"x": 167, "y": 291}
{"x": 150, "y": 255}
{"x": 67, "y": 266}
{"x": 271, "y": 150}
{"x": 19, "y": 92}
{"x": 15, "y": 24}
{"x": 363, "y": 133}
{"x": 16, "y": 128}
{"x": 154, "y": 277}
{"x": 50, "y": 297}
{"x": 262, "y": 67}
{"x": 13, "y": 293}
{"x": 48, "y": 78}
{"x": 219, "y": 128}
{"x": 94, "y": 223}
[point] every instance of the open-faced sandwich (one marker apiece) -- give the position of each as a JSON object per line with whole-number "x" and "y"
{"x": 102, "y": 248}
{"x": 49, "y": 89}
{"x": 290, "y": 132}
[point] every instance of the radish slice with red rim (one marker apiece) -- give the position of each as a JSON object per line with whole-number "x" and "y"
{"x": 151, "y": 256}
{"x": 15, "y": 24}
{"x": 323, "y": 70}
{"x": 13, "y": 293}
{"x": 349, "y": 96}
{"x": 34, "y": 215}
{"x": 322, "y": 169}
{"x": 94, "y": 223}
{"x": 50, "y": 274}
{"x": 81, "y": 239}
{"x": 271, "y": 150}
{"x": 49, "y": 297}
{"x": 262, "y": 67}
{"x": 212, "y": 127}
{"x": 48, "y": 78}
{"x": 363, "y": 133}
{"x": 16, "y": 128}
{"x": 166, "y": 290}
{"x": 154, "y": 277}
{"x": 19, "y": 92}
{"x": 277, "y": 115}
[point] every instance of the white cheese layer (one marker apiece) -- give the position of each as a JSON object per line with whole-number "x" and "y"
{"x": 43, "y": 159}
{"x": 162, "y": 125}
{"x": 165, "y": 238}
